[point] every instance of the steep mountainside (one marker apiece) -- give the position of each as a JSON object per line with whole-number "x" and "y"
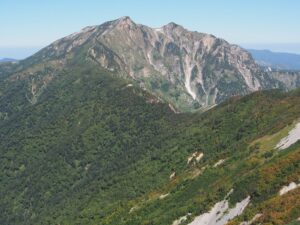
{"x": 288, "y": 78}
{"x": 86, "y": 138}
{"x": 96, "y": 150}
{"x": 190, "y": 70}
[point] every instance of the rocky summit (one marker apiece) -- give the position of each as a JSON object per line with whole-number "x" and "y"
{"x": 190, "y": 70}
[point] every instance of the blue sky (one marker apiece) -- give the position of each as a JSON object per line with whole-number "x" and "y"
{"x": 27, "y": 25}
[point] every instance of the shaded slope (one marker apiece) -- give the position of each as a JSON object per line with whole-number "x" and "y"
{"x": 86, "y": 132}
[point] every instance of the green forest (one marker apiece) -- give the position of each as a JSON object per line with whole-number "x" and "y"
{"x": 95, "y": 150}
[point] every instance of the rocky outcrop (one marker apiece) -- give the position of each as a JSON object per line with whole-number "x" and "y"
{"x": 190, "y": 70}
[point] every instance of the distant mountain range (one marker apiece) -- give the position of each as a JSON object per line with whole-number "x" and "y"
{"x": 276, "y": 60}
{"x": 7, "y": 60}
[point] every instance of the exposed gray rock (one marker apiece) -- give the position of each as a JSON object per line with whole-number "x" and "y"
{"x": 190, "y": 70}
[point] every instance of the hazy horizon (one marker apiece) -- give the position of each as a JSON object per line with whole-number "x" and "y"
{"x": 268, "y": 24}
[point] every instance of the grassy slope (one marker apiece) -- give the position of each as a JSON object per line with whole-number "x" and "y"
{"x": 92, "y": 148}
{"x": 244, "y": 166}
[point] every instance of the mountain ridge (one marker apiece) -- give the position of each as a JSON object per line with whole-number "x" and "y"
{"x": 85, "y": 140}
{"x": 191, "y": 70}
{"x": 276, "y": 60}
{"x": 8, "y": 60}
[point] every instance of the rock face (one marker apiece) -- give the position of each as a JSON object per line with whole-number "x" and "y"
{"x": 286, "y": 189}
{"x": 220, "y": 214}
{"x": 190, "y": 70}
{"x": 292, "y": 137}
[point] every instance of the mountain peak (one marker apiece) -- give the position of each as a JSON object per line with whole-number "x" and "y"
{"x": 124, "y": 23}
{"x": 125, "y": 20}
{"x": 172, "y": 25}
{"x": 200, "y": 62}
